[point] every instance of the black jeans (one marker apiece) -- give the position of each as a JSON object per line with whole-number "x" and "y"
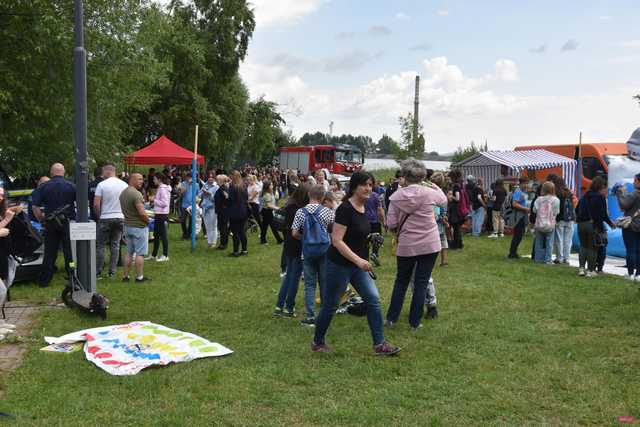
{"x": 255, "y": 213}
{"x": 423, "y": 266}
{"x": 160, "y": 225}
{"x": 239, "y": 230}
{"x": 456, "y": 242}
{"x": 185, "y": 223}
{"x": 518, "y": 234}
{"x": 223, "y": 229}
{"x": 53, "y": 238}
{"x": 267, "y": 221}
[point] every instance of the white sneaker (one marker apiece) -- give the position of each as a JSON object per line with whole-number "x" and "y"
{"x": 283, "y": 274}
{"x": 591, "y": 274}
{"x": 149, "y": 257}
{"x": 637, "y": 279}
{"x": 630, "y": 277}
{"x": 501, "y": 235}
{"x": 162, "y": 258}
{"x": 581, "y": 272}
{"x": 492, "y": 236}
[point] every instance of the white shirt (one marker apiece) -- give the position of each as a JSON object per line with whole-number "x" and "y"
{"x": 109, "y": 191}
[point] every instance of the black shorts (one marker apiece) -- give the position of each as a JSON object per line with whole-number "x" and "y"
{"x": 376, "y": 227}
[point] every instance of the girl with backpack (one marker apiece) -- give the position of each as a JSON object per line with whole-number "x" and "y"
{"x": 564, "y": 222}
{"x": 546, "y": 207}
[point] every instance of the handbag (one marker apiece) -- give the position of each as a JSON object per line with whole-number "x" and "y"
{"x": 600, "y": 238}
{"x": 396, "y": 237}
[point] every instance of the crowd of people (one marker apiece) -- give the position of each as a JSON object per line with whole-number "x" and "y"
{"x": 330, "y": 234}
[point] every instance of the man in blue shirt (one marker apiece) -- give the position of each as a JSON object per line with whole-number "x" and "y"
{"x": 521, "y": 212}
{"x": 57, "y": 195}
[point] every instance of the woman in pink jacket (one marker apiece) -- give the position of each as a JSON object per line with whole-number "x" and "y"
{"x": 161, "y": 204}
{"x": 412, "y": 218}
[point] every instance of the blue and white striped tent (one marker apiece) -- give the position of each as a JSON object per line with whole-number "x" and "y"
{"x": 489, "y": 165}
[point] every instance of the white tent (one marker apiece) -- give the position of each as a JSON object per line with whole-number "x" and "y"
{"x": 491, "y": 165}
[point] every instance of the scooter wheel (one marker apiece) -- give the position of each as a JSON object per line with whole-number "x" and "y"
{"x": 66, "y": 297}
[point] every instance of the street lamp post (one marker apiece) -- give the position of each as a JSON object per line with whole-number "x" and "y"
{"x": 83, "y": 252}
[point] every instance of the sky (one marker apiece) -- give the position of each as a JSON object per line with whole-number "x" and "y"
{"x": 506, "y": 72}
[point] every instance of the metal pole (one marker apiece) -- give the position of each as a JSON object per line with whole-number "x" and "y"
{"x": 80, "y": 136}
{"x": 194, "y": 191}
{"x": 580, "y": 166}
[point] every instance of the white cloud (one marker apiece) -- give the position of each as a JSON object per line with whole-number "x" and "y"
{"x": 571, "y": 44}
{"x": 443, "y": 12}
{"x": 402, "y": 16}
{"x": 283, "y": 12}
{"x": 631, "y": 44}
{"x": 506, "y": 70}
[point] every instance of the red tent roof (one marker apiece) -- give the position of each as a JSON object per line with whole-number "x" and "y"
{"x": 162, "y": 151}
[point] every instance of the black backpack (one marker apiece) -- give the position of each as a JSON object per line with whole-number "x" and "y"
{"x": 24, "y": 240}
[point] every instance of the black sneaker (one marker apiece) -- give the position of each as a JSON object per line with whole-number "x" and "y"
{"x": 432, "y": 313}
{"x": 125, "y": 279}
{"x": 514, "y": 256}
{"x": 308, "y": 321}
{"x": 244, "y": 253}
{"x": 144, "y": 279}
{"x": 389, "y": 324}
{"x": 234, "y": 254}
{"x": 289, "y": 314}
{"x": 277, "y": 312}
{"x": 111, "y": 274}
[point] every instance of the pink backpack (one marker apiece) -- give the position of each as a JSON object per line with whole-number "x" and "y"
{"x": 545, "y": 218}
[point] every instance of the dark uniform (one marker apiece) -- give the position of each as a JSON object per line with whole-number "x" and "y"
{"x": 52, "y": 196}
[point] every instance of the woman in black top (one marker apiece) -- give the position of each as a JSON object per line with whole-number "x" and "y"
{"x": 630, "y": 203}
{"x": 293, "y": 255}
{"x": 238, "y": 213}
{"x": 591, "y": 216}
{"x": 347, "y": 261}
{"x": 455, "y": 220}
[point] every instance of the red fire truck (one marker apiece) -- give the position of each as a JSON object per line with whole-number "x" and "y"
{"x": 341, "y": 159}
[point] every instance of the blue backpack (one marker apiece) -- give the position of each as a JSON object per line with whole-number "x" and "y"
{"x": 315, "y": 238}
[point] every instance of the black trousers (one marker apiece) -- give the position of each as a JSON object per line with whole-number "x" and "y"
{"x": 518, "y": 234}
{"x": 255, "y": 213}
{"x": 456, "y": 242}
{"x": 53, "y": 239}
{"x": 223, "y": 229}
{"x": 185, "y": 223}
{"x": 267, "y": 222}
{"x": 160, "y": 225}
{"x": 239, "y": 230}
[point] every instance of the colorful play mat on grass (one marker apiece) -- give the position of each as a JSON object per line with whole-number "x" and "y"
{"x": 128, "y": 349}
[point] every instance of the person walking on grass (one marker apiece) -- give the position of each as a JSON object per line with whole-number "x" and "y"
{"x": 238, "y": 213}
{"x": 106, "y": 207}
{"x": 498, "y": 197}
{"x": 564, "y": 222}
{"x": 520, "y": 216}
{"x": 310, "y": 225}
{"x": 412, "y": 218}
{"x": 630, "y": 204}
{"x": 286, "y": 302}
{"x": 269, "y": 198}
{"x": 161, "y": 205}
{"x": 546, "y": 207}
{"x": 591, "y": 215}
{"x": 207, "y": 195}
{"x": 136, "y": 233}
{"x": 348, "y": 263}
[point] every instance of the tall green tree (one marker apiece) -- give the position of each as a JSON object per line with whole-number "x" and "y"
{"x": 409, "y": 147}
{"x": 387, "y": 145}
{"x": 463, "y": 153}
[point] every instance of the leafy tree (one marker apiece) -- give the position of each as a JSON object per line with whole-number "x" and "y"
{"x": 463, "y": 153}
{"x": 408, "y": 147}
{"x": 263, "y": 129}
{"x": 387, "y": 145}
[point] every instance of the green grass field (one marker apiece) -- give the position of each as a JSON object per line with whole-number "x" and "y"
{"x": 515, "y": 344}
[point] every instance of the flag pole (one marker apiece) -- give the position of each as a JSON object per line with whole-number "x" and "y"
{"x": 194, "y": 191}
{"x": 580, "y": 165}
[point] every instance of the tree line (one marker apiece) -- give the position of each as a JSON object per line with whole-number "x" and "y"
{"x": 150, "y": 71}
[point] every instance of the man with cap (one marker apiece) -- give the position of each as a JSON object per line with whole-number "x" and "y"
{"x": 54, "y": 206}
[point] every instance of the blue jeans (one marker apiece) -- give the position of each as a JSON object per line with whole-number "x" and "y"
{"x": 477, "y": 219}
{"x": 289, "y": 287}
{"x": 543, "y": 246}
{"x": 423, "y": 265}
{"x": 338, "y": 276}
{"x": 315, "y": 271}
{"x": 563, "y": 239}
{"x": 632, "y": 245}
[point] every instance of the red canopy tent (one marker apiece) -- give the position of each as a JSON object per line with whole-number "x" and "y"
{"x": 162, "y": 151}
